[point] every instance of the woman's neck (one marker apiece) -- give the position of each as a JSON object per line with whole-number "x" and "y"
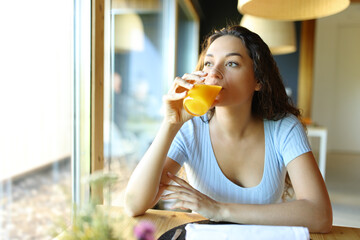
{"x": 234, "y": 123}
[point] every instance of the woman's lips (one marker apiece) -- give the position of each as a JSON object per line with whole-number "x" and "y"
{"x": 218, "y": 96}
{"x": 214, "y": 84}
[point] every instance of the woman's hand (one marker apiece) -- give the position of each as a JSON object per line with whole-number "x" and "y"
{"x": 190, "y": 198}
{"x": 173, "y": 100}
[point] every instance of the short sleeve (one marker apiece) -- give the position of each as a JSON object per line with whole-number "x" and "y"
{"x": 293, "y": 140}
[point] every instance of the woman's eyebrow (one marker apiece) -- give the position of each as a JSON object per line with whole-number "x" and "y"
{"x": 234, "y": 54}
{"x": 227, "y": 55}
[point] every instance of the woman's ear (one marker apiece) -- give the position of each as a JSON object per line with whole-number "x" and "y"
{"x": 258, "y": 86}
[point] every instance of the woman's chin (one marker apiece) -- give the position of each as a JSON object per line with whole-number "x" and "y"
{"x": 215, "y": 103}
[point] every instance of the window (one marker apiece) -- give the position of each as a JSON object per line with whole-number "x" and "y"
{"x": 36, "y": 129}
{"x": 142, "y": 40}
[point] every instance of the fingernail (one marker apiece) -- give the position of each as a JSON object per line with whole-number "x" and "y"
{"x": 202, "y": 78}
{"x": 169, "y": 173}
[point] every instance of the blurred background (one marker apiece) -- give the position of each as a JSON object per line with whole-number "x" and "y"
{"x": 46, "y": 96}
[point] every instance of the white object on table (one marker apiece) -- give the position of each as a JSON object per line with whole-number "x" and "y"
{"x": 321, "y": 132}
{"x": 245, "y": 232}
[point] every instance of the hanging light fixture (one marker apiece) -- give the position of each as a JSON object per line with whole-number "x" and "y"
{"x": 280, "y": 36}
{"x": 129, "y": 32}
{"x": 292, "y": 10}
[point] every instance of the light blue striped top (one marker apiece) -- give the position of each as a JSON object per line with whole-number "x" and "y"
{"x": 285, "y": 140}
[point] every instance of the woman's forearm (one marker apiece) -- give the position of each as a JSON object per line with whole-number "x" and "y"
{"x": 144, "y": 182}
{"x": 316, "y": 217}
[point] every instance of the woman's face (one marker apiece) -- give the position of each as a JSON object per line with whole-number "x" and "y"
{"x": 229, "y": 65}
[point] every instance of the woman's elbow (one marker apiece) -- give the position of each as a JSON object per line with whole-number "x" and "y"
{"x": 323, "y": 222}
{"x": 132, "y": 212}
{"x": 132, "y": 207}
{"x": 326, "y": 225}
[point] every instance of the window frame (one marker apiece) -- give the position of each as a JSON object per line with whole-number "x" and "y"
{"x": 88, "y": 154}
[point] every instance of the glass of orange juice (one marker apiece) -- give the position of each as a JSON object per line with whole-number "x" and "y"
{"x": 200, "y": 98}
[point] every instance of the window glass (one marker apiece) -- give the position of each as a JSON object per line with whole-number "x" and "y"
{"x": 135, "y": 86}
{"x": 142, "y": 67}
{"x": 36, "y": 124}
{"x": 187, "y": 39}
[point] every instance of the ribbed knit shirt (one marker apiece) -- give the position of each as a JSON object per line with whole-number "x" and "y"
{"x": 285, "y": 139}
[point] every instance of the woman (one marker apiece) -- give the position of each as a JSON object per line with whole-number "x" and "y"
{"x": 236, "y": 157}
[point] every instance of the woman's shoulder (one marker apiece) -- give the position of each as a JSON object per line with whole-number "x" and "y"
{"x": 289, "y": 120}
{"x": 284, "y": 126}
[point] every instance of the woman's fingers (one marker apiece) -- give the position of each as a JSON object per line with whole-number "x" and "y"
{"x": 188, "y": 197}
{"x": 184, "y": 205}
{"x": 183, "y": 83}
{"x": 174, "y": 96}
{"x": 186, "y": 82}
{"x": 184, "y": 189}
{"x": 175, "y": 188}
{"x": 173, "y": 100}
{"x": 179, "y": 181}
{"x": 180, "y": 195}
{"x": 195, "y": 77}
{"x": 185, "y": 200}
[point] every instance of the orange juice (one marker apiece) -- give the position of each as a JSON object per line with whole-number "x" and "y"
{"x": 200, "y": 98}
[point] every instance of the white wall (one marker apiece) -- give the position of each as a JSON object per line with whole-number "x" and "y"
{"x": 336, "y": 96}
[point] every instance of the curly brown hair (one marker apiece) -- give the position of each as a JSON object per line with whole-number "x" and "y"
{"x": 271, "y": 102}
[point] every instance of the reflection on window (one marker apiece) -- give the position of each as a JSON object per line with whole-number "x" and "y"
{"x": 142, "y": 67}
{"x": 135, "y": 87}
{"x": 36, "y": 139}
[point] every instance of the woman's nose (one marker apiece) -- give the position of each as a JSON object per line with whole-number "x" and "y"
{"x": 215, "y": 73}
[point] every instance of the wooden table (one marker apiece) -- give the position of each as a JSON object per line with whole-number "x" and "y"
{"x": 166, "y": 220}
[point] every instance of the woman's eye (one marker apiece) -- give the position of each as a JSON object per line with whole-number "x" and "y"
{"x": 232, "y": 64}
{"x": 207, "y": 64}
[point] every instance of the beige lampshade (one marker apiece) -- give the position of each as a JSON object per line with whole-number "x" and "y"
{"x": 129, "y": 32}
{"x": 291, "y": 10}
{"x": 280, "y": 36}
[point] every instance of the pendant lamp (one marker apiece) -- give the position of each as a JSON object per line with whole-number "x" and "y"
{"x": 280, "y": 36}
{"x": 129, "y": 32}
{"x": 292, "y": 10}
